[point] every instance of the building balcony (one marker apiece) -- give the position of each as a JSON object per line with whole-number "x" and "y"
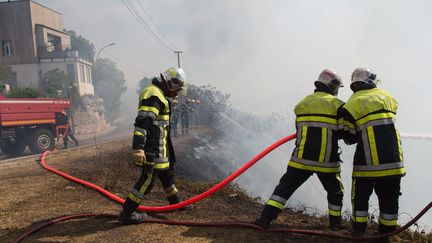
{"x": 47, "y": 52}
{"x": 52, "y": 52}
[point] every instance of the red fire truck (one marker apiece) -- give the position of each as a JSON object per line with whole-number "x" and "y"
{"x": 30, "y": 122}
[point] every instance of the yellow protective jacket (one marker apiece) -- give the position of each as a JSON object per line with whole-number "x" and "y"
{"x": 369, "y": 117}
{"x": 152, "y": 131}
{"x": 317, "y": 134}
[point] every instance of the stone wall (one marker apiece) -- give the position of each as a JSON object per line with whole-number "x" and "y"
{"x": 89, "y": 117}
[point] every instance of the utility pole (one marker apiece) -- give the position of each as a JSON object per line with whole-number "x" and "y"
{"x": 178, "y": 57}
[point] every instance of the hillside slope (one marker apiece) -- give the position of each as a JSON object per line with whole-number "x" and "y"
{"x": 32, "y": 195}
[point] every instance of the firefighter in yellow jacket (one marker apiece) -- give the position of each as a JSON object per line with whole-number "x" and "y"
{"x": 368, "y": 118}
{"x": 316, "y": 151}
{"x": 152, "y": 147}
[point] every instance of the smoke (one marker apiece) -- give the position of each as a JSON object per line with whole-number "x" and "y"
{"x": 251, "y": 134}
{"x": 267, "y": 55}
{"x": 270, "y": 53}
{"x": 416, "y": 136}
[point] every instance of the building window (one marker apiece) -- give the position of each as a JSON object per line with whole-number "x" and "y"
{"x": 71, "y": 72}
{"x": 88, "y": 75}
{"x": 7, "y": 48}
{"x": 54, "y": 43}
{"x": 82, "y": 74}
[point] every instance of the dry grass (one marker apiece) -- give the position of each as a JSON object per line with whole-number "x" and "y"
{"x": 31, "y": 195}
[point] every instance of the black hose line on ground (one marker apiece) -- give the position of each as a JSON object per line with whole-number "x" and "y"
{"x": 228, "y": 224}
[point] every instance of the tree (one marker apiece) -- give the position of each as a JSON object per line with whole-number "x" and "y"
{"x": 27, "y": 92}
{"x": 109, "y": 83}
{"x": 143, "y": 83}
{"x": 56, "y": 83}
{"x": 85, "y": 48}
{"x": 5, "y": 73}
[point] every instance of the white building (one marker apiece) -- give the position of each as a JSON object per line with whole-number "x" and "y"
{"x": 33, "y": 42}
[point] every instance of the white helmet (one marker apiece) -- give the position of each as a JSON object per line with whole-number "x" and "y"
{"x": 330, "y": 79}
{"x": 365, "y": 75}
{"x": 175, "y": 78}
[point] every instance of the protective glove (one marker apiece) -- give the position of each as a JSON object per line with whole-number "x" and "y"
{"x": 138, "y": 157}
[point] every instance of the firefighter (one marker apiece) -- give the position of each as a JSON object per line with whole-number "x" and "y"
{"x": 316, "y": 151}
{"x": 152, "y": 147}
{"x": 368, "y": 119}
{"x": 63, "y": 119}
{"x": 174, "y": 117}
{"x": 185, "y": 109}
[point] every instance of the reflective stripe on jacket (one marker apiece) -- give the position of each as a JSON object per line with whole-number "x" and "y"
{"x": 316, "y": 144}
{"x": 370, "y": 116}
{"x": 152, "y": 127}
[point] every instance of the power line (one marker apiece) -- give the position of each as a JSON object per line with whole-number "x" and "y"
{"x": 127, "y": 64}
{"x": 142, "y": 23}
{"x": 155, "y": 24}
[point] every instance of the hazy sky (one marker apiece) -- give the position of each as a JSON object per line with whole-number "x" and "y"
{"x": 267, "y": 54}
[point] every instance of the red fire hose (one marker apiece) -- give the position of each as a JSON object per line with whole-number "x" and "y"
{"x": 181, "y": 204}
{"x": 200, "y": 197}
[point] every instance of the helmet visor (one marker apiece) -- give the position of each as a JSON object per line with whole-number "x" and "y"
{"x": 175, "y": 84}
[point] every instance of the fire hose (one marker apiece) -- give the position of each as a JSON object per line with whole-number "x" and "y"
{"x": 200, "y": 197}
{"x": 230, "y": 224}
{"x": 181, "y": 204}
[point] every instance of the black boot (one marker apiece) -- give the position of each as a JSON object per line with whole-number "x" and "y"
{"x": 132, "y": 218}
{"x": 358, "y": 229}
{"x": 335, "y": 223}
{"x": 383, "y": 229}
{"x": 263, "y": 222}
{"x": 176, "y": 199}
{"x": 129, "y": 216}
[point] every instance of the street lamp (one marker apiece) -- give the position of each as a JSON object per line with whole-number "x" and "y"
{"x": 97, "y": 56}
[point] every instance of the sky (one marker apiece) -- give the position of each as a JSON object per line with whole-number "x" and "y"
{"x": 267, "y": 54}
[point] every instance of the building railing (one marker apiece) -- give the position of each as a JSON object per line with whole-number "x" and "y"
{"x": 54, "y": 52}
{"x": 51, "y": 52}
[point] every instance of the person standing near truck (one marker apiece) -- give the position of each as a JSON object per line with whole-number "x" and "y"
{"x": 63, "y": 120}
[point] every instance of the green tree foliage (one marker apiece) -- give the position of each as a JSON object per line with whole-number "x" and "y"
{"x": 85, "y": 48}
{"x": 27, "y": 92}
{"x": 209, "y": 96}
{"x": 5, "y": 72}
{"x": 56, "y": 83}
{"x": 109, "y": 83}
{"x": 203, "y": 104}
{"x": 143, "y": 83}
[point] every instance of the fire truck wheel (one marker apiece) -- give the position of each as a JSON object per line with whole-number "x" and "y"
{"x": 13, "y": 149}
{"x": 41, "y": 141}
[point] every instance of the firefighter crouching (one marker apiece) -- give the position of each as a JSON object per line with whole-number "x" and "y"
{"x": 63, "y": 120}
{"x": 368, "y": 118}
{"x": 316, "y": 151}
{"x": 152, "y": 147}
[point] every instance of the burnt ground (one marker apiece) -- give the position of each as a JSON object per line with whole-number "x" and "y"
{"x": 31, "y": 196}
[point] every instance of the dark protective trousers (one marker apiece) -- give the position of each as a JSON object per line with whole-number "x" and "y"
{"x": 387, "y": 191}
{"x": 294, "y": 178}
{"x": 66, "y": 140}
{"x": 145, "y": 184}
{"x": 185, "y": 123}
